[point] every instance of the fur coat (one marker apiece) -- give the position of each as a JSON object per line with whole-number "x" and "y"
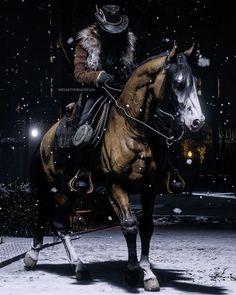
{"x": 88, "y": 51}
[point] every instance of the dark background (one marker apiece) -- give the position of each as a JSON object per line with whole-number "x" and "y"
{"x": 34, "y": 69}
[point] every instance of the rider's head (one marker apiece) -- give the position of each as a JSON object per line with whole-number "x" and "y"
{"x": 110, "y": 19}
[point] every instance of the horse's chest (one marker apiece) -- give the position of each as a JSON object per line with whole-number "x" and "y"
{"x": 127, "y": 157}
{"x": 142, "y": 167}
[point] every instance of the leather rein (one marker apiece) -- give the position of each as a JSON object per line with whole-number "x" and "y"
{"x": 169, "y": 139}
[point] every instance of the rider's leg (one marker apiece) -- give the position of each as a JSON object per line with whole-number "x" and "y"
{"x": 84, "y": 132}
{"x": 81, "y": 182}
{"x": 86, "y": 114}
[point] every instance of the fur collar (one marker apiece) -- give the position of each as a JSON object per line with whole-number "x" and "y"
{"x": 89, "y": 40}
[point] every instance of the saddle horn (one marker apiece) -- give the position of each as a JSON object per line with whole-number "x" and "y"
{"x": 172, "y": 52}
{"x": 190, "y": 50}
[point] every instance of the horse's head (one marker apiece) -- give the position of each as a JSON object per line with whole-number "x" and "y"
{"x": 163, "y": 87}
{"x": 182, "y": 90}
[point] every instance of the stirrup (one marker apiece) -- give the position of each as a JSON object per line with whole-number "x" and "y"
{"x": 83, "y": 135}
{"x": 174, "y": 182}
{"x": 80, "y": 175}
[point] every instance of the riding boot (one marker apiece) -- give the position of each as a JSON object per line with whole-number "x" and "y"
{"x": 86, "y": 113}
{"x": 84, "y": 132}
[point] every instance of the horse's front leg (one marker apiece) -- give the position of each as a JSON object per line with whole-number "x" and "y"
{"x": 129, "y": 227}
{"x": 61, "y": 225}
{"x": 146, "y": 227}
{"x": 73, "y": 258}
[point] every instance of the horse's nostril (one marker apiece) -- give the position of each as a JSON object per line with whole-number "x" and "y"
{"x": 196, "y": 123}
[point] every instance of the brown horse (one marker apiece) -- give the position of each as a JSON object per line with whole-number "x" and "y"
{"x": 132, "y": 157}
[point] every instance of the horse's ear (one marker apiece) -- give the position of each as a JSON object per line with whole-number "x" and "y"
{"x": 190, "y": 50}
{"x": 172, "y": 52}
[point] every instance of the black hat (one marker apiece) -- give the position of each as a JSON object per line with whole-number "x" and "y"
{"x": 110, "y": 20}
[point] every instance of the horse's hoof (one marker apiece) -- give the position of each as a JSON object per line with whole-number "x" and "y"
{"x": 132, "y": 277}
{"x": 151, "y": 285}
{"x": 82, "y": 275}
{"x": 29, "y": 262}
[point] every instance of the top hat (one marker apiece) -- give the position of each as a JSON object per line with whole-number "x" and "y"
{"x": 110, "y": 20}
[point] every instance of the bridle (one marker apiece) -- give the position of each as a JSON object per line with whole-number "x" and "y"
{"x": 175, "y": 125}
{"x": 170, "y": 140}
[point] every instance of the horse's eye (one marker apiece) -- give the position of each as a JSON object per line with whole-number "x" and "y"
{"x": 179, "y": 85}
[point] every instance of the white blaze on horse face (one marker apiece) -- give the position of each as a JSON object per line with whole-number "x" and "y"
{"x": 190, "y": 109}
{"x": 179, "y": 77}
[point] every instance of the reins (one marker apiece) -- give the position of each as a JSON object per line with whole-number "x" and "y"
{"x": 169, "y": 139}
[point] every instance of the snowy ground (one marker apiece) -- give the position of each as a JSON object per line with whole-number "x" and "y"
{"x": 187, "y": 260}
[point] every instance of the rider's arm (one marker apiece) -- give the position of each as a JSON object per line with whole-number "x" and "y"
{"x": 81, "y": 73}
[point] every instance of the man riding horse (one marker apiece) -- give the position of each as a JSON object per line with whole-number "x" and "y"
{"x": 132, "y": 153}
{"x": 104, "y": 54}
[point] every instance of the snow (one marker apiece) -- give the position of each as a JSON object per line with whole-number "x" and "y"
{"x": 203, "y": 61}
{"x": 177, "y": 210}
{"x": 194, "y": 260}
{"x": 227, "y": 195}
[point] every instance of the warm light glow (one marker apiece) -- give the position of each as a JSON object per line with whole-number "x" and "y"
{"x": 190, "y": 154}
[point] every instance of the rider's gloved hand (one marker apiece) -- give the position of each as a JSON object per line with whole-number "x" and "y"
{"x": 103, "y": 78}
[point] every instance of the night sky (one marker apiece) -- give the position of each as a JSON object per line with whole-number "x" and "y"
{"x": 34, "y": 67}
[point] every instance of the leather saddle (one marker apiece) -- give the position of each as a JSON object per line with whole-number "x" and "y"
{"x": 66, "y": 129}
{"x": 67, "y": 134}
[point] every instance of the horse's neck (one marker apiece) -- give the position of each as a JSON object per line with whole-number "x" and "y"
{"x": 136, "y": 96}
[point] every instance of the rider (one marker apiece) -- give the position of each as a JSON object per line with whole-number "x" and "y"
{"x": 104, "y": 54}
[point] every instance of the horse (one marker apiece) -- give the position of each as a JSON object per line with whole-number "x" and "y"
{"x": 132, "y": 157}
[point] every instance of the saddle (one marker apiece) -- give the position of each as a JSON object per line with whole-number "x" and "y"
{"x": 92, "y": 133}
{"x": 67, "y": 127}
{"x": 67, "y": 135}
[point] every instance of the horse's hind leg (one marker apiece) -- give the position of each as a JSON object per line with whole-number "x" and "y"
{"x": 146, "y": 227}
{"x": 61, "y": 225}
{"x": 42, "y": 198}
{"x": 129, "y": 227}
{"x": 31, "y": 257}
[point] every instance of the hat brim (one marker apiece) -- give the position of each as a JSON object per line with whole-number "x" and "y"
{"x": 115, "y": 29}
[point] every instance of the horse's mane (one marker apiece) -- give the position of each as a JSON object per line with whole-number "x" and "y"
{"x": 153, "y": 57}
{"x": 182, "y": 64}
